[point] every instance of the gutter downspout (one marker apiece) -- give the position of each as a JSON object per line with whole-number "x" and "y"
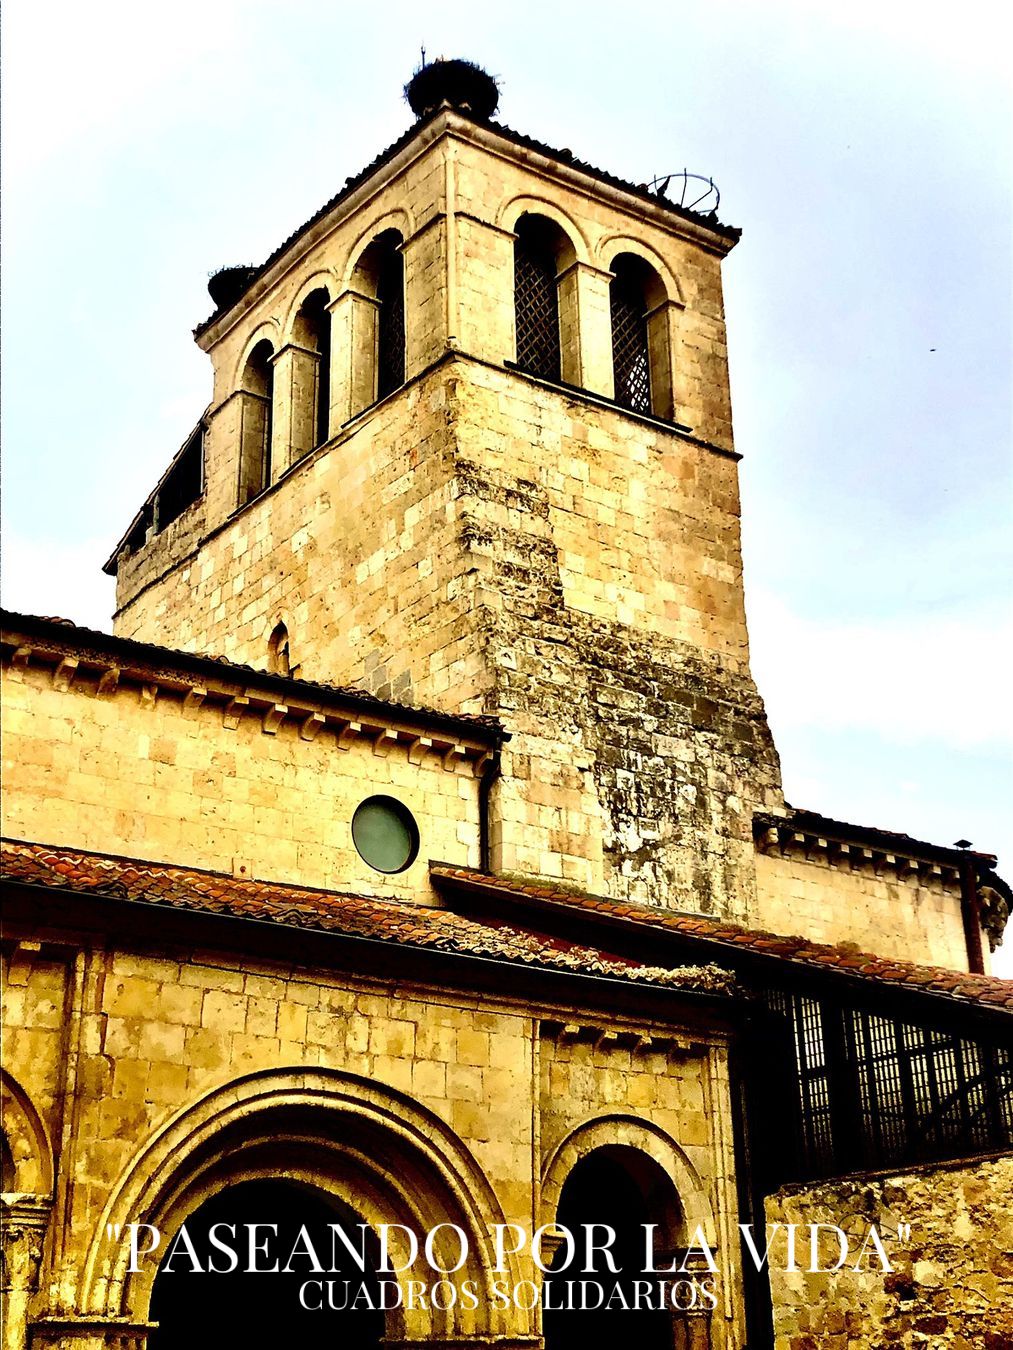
{"x": 494, "y": 771}
{"x": 970, "y": 912}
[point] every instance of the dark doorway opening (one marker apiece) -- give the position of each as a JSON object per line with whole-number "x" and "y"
{"x": 604, "y": 1189}
{"x": 262, "y": 1311}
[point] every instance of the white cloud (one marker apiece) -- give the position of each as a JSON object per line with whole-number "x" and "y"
{"x": 941, "y": 678}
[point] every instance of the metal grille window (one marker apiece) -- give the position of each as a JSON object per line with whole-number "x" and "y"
{"x": 536, "y": 304}
{"x": 874, "y": 1091}
{"x": 390, "y": 365}
{"x": 631, "y": 362}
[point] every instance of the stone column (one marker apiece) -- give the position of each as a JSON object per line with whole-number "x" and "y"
{"x": 254, "y": 451}
{"x": 296, "y": 372}
{"x": 485, "y": 290}
{"x": 354, "y": 321}
{"x": 661, "y": 346}
{"x": 587, "y": 293}
{"x": 425, "y": 285}
{"x": 23, "y": 1223}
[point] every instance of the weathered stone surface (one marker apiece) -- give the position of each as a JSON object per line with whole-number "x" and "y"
{"x": 952, "y": 1278}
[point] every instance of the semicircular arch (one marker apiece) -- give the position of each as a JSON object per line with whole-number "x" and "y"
{"x": 267, "y": 331}
{"x": 323, "y": 280}
{"x": 378, "y": 1151}
{"x": 644, "y": 1137}
{"x": 526, "y": 204}
{"x": 611, "y": 247}
{"x": 399, "y": 220}
{"x": 27, "y": 1138}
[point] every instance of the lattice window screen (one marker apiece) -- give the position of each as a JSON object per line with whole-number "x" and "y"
{"x": 536, "y": 310}
{"x": 391, "y": 337}
{"x": 630, "y": 354}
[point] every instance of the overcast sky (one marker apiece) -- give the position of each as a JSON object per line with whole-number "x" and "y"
{"x": 863, "y": 149}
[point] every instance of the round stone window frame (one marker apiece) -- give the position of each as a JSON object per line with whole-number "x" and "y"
{"x": 404, "y": 817}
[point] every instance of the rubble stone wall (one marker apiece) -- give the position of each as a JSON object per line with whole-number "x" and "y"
{"x": 952, "y": 1278}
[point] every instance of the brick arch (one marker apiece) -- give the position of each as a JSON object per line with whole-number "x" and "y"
{"x": 644, "y": 1138}
{"x": 27, "y": 1138}
{"x": 512, "y": 210}
{"x": 376, "y": 1150}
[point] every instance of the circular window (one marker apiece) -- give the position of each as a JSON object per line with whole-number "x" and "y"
{"x": 385, "y": 834}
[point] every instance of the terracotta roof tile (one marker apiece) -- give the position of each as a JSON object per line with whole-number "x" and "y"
{"x": 984, "y": 989}
{"x": 384, "y": 920}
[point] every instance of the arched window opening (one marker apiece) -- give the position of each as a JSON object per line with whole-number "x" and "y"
{"x": 379, "y": 280}
{"x": 279, "y": 652}
{"x": 536, "y": 299}
{"x": 222, "y": 1306}
{"x": 183, "y": 483}
{"x": 257, "y": 422}
{"x": 623, "y": 1188}
{"x": 313, "y": 333}
{"x": 631, "y": 356}
{"x": 390, "y": 360}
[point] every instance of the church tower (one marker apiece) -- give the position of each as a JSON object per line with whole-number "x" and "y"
{"x": 470, "y": 446}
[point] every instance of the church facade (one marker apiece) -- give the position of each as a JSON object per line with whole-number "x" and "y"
{"x": 414, "y": 851}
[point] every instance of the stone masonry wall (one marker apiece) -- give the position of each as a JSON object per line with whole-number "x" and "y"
{"x": 115, "y": 773}
{"x": 117, "y": 1045}
{"x": 952, "y": 1282}
{"x": 485, "y": 544}
{"x": 915, "y": 919}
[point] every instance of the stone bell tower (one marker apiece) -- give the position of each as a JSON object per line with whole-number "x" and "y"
{"x": 470, "y": 446}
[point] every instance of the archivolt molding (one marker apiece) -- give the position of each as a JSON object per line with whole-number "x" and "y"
{"x": 323, "y": 280}
{"x": 610, "y": 248}
{"x": 399, "y": 219}
{"x": 511, "y": 212}
{"x": 28, "y": 1139}
{"x": 644, "y": 1137}
{"x": 269, "y": 329}
{"x": 381, "y": 1153}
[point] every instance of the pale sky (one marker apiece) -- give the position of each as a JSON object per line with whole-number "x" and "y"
{"x": 862, "y": 148}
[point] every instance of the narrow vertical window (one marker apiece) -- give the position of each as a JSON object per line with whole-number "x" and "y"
{"x": 279, "y": 656}
{"x": 631, "y": 357}
{"x": 390, "y": 362}
{"x": 323, "y": 409}
{"x": 536, "y": 302}
{"x": 312, "y": 387}
{"x": 257, "y": 422}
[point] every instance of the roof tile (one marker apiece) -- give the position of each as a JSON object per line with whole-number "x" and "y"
{"x": 380, "y": 919}
{"x": 984, "y": 989}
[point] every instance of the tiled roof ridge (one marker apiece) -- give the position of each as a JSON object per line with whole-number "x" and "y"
{"x": 379, "y": 918}
{"x": 566, "y": 157}
{"x": 62, "y": 628}
{"x": 846, "y": 957}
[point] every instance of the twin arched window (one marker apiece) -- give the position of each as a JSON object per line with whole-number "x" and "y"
{"x": 546, "y": 325}
{"x": 300, "y": 373}
{"x": 545, "y": 318}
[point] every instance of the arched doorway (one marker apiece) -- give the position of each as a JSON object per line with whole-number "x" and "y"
{"x": 365, "y": 1152}
{"x": 617, "y": 1186}
{"x": 262, "y": 1310}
